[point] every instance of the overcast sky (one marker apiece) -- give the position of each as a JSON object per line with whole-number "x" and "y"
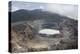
{"x": 63, "y": 9}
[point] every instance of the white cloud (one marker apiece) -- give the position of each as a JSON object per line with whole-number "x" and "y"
{"x": 14, "y": 9}
{"x": 66, "y": 10}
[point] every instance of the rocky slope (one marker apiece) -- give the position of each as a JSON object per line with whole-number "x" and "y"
{"x": 26, "y": 24}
